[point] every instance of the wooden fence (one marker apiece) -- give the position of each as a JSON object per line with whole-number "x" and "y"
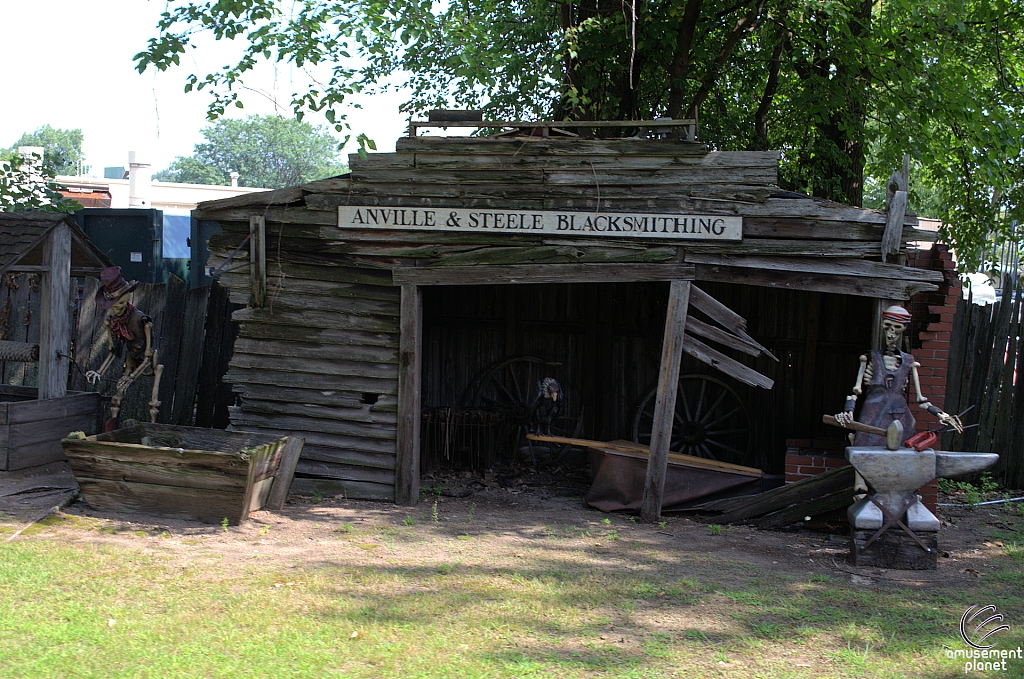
{"x": 985, "y": 356}
{"x": 192, "y": 332}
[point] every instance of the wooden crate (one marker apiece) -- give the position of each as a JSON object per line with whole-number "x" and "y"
{"x": 187, "y": 472}
{"x": 31, "y": 430}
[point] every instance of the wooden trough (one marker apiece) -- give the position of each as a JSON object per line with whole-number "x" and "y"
{"x": 203, "y": 474}
{"x": 31, "y": 430}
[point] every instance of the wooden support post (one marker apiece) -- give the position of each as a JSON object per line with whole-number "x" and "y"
{"x": 407, "y": 466}
{"x": 665, "y": 405}
{"x": 55, "y": 314}
{"x": 258, "y": 259}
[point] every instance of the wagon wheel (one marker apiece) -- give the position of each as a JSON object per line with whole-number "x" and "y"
{"x": 511, "y": 385}
{"x": 711, "y": 420}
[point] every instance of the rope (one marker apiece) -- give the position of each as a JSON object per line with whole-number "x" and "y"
{"x": 19, "y": 351}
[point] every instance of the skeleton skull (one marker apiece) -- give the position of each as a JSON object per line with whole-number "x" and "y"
{"x": 894, "y": 322}
{"x": 120, "y": 305}
{"x": 893, "y": 333}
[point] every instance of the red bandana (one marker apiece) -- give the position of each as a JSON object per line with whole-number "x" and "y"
{"x": 119, "y": 327}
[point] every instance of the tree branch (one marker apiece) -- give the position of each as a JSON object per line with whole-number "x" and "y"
{"x": 743, "y": 26}
{"x": 772, "y": 84}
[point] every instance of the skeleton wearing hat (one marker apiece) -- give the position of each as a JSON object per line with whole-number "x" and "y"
{"x": 129, "y": 330}
{"x": 883, "y": 377}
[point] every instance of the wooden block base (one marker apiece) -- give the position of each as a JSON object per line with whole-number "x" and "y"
{"x": 894, "y": 549}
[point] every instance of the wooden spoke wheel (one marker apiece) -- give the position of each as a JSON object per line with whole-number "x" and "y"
{"x": 711, "y": 420}
{"x": 511, "y": 385}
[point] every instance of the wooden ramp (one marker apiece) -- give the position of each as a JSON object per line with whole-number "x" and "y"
{"x": 620, "y": 467}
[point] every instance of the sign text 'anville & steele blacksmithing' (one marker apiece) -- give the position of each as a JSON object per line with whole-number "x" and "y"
{"x": 544, "y": 222}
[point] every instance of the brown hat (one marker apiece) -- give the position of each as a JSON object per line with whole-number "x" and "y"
{"x": 113, "y": 286}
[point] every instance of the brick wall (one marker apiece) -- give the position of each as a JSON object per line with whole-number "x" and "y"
{"x": 932, "y": 327}
{"x": 930, "y": 337}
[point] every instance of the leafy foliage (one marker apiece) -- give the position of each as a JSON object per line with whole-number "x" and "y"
{"x": 266, "y": 151}
{"x": 191, "y": 170}
{"x": 62, "y": 149}
{"x": 843, "y": 87}
{"x": 26, "y": 185}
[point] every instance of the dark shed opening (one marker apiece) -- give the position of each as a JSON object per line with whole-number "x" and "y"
{"x": 486, "y": 347}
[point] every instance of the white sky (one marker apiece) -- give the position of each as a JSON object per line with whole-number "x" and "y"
{"x": 68, "y": 63}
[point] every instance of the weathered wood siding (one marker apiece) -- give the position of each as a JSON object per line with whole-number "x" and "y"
{"x": 31, "y": 429}
{"x": 320, "y": 356}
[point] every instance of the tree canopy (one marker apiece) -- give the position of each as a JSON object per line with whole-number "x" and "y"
{"x": 843, "y": 87}
{"x": 62, "y": 149}
{"x": 266, "y": 151}
{"x": 26, "y": 184}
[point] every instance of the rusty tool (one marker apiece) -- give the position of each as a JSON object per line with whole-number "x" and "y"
{"x": 920, "y": 441}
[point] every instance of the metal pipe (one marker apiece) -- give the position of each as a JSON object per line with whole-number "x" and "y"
{"x": 979, "y": 504}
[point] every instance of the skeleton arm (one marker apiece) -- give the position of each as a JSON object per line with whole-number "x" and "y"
{"x": 944, "y": 418}
{"x": 94, "y": 376}
{"x": 846, "y": 417}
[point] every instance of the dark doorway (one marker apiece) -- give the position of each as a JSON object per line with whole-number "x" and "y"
{"x": 484, "y": 348}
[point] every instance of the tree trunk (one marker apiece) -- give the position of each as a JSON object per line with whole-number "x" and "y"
{"x": 770, "y": 87}
{"x": 681, "y": 60}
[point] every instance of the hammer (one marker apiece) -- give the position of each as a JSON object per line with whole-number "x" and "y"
{"x": 893, "y": 435}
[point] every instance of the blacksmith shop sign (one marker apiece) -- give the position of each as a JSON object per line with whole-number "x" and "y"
{"x": 544, "y": 222}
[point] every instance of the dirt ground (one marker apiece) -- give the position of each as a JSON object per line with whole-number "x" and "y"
{"x": 497, "y": 520}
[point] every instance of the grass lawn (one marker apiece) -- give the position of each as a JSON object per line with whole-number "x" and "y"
{"x": 81, "y": 597}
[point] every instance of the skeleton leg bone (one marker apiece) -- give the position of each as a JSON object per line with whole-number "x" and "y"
{"x": 154, "y": 404}
{"x": 122, "y": 386}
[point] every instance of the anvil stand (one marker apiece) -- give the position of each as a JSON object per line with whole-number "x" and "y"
{"x": 893, "y": 475}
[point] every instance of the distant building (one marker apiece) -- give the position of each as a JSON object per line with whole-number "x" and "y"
{"x": 138, "y": 189}
{"x": 135, "y": 188}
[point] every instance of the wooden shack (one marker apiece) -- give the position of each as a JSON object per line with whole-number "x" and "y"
{"x": 443, "y": 275}
{"x": 41, "y": 254}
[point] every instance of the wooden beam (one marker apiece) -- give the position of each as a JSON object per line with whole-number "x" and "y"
{"x": 725, "y": 316}
{"x": 842, "y": 267}
{"x": 729, "y": 366}
{"x": 710, "y": 332}
{"x": 407, "y": 469}
{"x": 258, "y": 259}
{"x": 55, "y": 314}
{"x": 28, "y": 268}
{"x": 541, "y": 273}
{"x": 620, "y": 447}
{"x": 285, "y": 473}
{"x": 665, "y": 403}
{"x": 893, "y": 236}
{"x": 836, "y": 284}
{"x": 83, "y": 271}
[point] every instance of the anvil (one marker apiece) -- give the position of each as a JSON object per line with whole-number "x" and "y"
{"x": 895, "y": 476}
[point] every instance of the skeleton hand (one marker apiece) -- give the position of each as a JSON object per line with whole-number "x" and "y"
{"x": 92, "y": 377}
{"x": 844, "y": 418}
{"x": 123, "y": 383}
{"x": 951, "y": 421}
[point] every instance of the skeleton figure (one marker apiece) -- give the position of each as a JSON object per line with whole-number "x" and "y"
{"x": 546, "y": 407}
{"x": 883, "y": 376}
{"x": 131, "y": 330}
